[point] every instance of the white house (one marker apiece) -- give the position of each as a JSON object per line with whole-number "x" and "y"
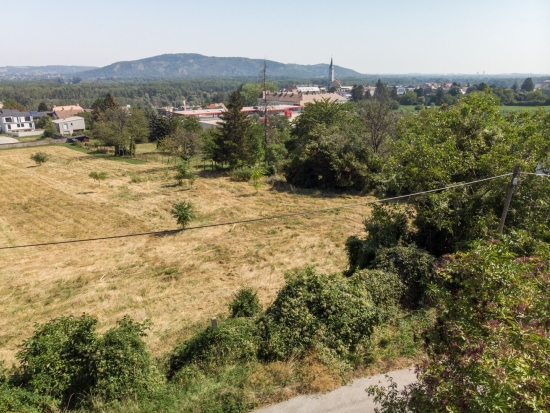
{"x": 70, "y": 125}
{"x": 17, "y": 123}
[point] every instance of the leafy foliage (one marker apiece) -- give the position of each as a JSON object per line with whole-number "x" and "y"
{"x": 414, "y": 268}
{"x": 489, "y": 348}
{"x": 386, "y": 227}
{"x": 99, "y": 176}
{"x": 245, "y": 303}
{"x": 66, "y": 360}
{"x": 184, "y": 212}
{"x": 327, "y": 310}
{"x": 234, "y": 341}
{"x": 40, "y": 157}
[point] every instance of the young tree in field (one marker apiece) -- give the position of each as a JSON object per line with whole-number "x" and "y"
{"x": 185, "y": 141}
{"x": 39, "y": 158}
{"x": 99, "y": 176}
{"x": 184, "y": 212}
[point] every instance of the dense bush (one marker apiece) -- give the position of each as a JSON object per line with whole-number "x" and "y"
{"x": 385, "y": 288}
{"x": 242, "y": 174}
{"x": 312, "y": 309}
{"x": 245, "y": 303}
{"x": 65, "y": 359}
{"x": 490, "y": 346}
{"x": 234, "y": 341}
{"x": 413, "y": 266}
{"x": 16, "y": 399}
{"x": 386, "y": 227}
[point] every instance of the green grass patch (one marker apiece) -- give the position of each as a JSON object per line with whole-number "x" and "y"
{"x": 508, "y": 109}
{"x": 97, "y": 154}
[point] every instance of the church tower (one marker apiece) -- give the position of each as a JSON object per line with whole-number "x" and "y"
{"x": 330, "y": 74}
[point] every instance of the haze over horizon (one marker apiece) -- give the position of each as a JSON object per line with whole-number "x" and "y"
{"x": 370, "y": 37}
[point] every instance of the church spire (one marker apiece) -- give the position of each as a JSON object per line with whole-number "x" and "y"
{"x": 330, "y": 73}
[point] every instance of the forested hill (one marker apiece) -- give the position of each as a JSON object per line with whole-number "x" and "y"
{"x": 189, "y": 65}
{"x": 40, "y": 72}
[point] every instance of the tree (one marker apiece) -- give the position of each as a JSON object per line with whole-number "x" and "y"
{"x": 528, "y": 85}
{"x": 186, "y": 140}
{"x": 99, "y": 176}
{"x": 42, "y": 107}
{"x": 46, "y": 123}
{"x": 237, "y": 141}
{"x": 13, "y": 104}
{"x": 40, "y": 158}
{"x": 357, "y": 93}
{"x": 409, "y": 98}
{"x": 382, "y": 92}
{"x": 378, "y": 120}
{"x": 184, "y": 212}
{"x": 121, "y": 128}
{"x": 250, "y": 92}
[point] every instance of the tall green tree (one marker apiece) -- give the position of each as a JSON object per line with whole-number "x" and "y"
{"x": 237, "y": 141}
{"x": 528, "y": 85}
{"x": 42, "y": 107}
{"x": 357, "y": 93}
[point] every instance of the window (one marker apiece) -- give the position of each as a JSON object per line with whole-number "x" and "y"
{"x": 9, "y": 127}
{"x": 27, "y": 119}
{"x": 65, "y": 126}
{"x": 8, "y": 120}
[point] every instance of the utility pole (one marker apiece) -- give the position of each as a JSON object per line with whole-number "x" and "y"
{"x": 511, "y": 186}
{"x": 264, "y": 102}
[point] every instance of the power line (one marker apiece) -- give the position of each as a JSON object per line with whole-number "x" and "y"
{"x": 245, "y": 221}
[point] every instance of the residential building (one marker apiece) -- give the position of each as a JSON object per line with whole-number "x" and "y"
{"x": 70, "y": 125}
{"x": 15, "y": 122}
{"x": 63, "y": 112}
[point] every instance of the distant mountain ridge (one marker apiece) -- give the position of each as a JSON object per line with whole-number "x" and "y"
{"x": 192, "y": 65}
{"x": 40, "y": 72}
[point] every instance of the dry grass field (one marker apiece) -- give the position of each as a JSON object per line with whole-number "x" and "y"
{"x": 177, "y": 281}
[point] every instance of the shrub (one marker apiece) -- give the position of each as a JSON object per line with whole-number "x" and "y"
{"x": 385, "y": 288}
{"x": 65, "y": 359}
{"x": 245, "y": 304}
{"x": 184, "y": 212}
{"x": 58, "y": 360}
{"x": 386, "y": 227}
{"x": 489, "y": 347}
{"x": 243, "y": 174}
{"x": 40, "y": 157}
{"x": 124, "y": 366}
{"x": 311, "y": 310}
{"x": 184, "y": 172}
{"x": 99, "y": 176}
{"x": 234, "y": 341}
{"x": 414, "y": 267}
{"x": 16, "y": 399}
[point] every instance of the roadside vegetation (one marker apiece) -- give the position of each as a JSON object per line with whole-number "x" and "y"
{"x": 427, "y": 280}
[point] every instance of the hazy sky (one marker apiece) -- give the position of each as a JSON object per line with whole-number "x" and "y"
{"x": 383, "y": 36}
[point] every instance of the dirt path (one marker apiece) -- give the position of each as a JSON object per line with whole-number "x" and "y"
{"x": 348, "y": 399}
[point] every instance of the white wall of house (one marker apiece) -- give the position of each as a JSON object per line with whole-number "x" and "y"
{"x": 70, "y": 125}
{"x": 11, "y": 124}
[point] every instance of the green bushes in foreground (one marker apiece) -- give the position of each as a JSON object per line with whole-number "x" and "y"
{"x": 490, "y": 347}
{"x": 67, "y": 361}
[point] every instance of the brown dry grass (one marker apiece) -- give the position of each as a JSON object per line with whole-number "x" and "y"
{"x": 176, "y": 281}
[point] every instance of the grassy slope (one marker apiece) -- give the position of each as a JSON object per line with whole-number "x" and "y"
{"x": 176, "y": 281}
